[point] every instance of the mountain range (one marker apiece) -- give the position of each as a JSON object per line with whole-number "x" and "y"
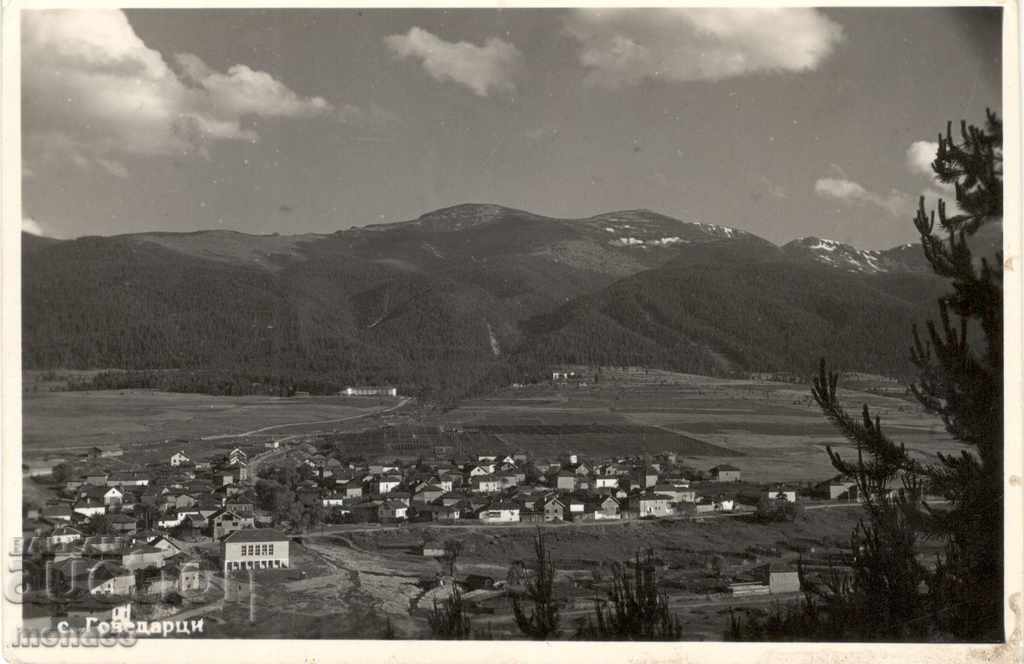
{"x": 468, "y": 297}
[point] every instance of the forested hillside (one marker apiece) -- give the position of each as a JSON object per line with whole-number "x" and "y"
{"x": 455, "y": 302}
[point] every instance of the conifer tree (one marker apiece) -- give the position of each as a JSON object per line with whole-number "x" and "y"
{"x": 542, "y": 623}
{"x": 891, "y": 594}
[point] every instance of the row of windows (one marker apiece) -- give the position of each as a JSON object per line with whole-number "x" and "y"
{"x": 257, "y": 549}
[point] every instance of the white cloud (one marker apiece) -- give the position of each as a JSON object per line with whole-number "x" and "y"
{"x": 483, "y": 69}
{"x": 31, "y": 226}
{"x": 920, "y": 156}
{"x": 94, "y": 88}
{"x": 895, "y": 202}
{"x": 622, "y": 46}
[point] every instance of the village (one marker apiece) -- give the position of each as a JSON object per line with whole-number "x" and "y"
{"x": 125, "y": 544}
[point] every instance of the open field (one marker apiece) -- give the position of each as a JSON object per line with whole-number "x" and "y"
{"x": 772, "y": 429}
{"x": 55, "y": 421}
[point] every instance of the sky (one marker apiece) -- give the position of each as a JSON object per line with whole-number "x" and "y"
{"x": 786, "y": 123}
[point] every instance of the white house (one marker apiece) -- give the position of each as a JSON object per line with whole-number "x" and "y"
{"x": 789, "y": 495}
{"x": 482, "y": 469}
{"x": 655, "y": 505}
{"x": 387, "y": 483}
{"x": 606, "y": 482}
{"x": 370, "y": 392}
{"x": 89, "y": 507}
{"x": 113, "y": 496}
{"x": 179, "y": 458}
{"x": 256, "y": 548}
{"x": 486, "y": 484}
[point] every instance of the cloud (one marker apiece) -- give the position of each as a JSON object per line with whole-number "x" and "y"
{"x": 895, "y": 202}
{"x": 32, "y": 226}
{"x": 623, "y": 47}
{"x": 486, "y": 69}
{"x": 94, "y": 89}
{"x": 920, "y": 156}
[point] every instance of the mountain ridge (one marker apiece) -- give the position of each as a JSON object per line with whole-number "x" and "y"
{"x": 456, "y": 300}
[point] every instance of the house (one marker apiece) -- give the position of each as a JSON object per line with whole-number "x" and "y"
{"x": 788, "y": 495}
{"x": 840, "y": 489}
{"x": 385, "y": 483}
{"x": 39, "y": 467}
{"x": 88, "y": 507}
{"x": 554, "y": 509}
{"x": 678, "y": 494}
{"x": 64, "y": 535}
{"x": 122, "y": 524}
{"x": 782, "y": 578}
{"x": 113, "y": 496}
{"x": 169, "y": 547}
{"x": 725, "y": 473}
{"x": 142, "y": 556}
{"x": 565, "y": 481}
{"x": 179, "y": 458}
{"x": 437, "y": 513}
{"x": 56, "y": 512}
{"x": 96, "y": 578}
{"x": 606, "y": 482}
{"x": 228, "y": 521}
{"x": 236, "y": 455}
{"x": 606, "y": 508}
{"x": 654, "y": 505}
{"x": 354, "y": 489}
{"x": 127, "y": 478}
{"x": 499, "y": 512}
{"x": 481, "y": 470}
{"x": 576, "y": 505}
{"x": 428, "y": 493}
{"x": 393, "y": 510}
{"x": 255, "y": 548}
{"x": 95, "y": 479}
{"x": 333, "y": 500}
{"x": 369, "y": 392}
{"x": 194, "y": 576}
{"x": 486, "y": 484}
{"x": 648, "y": 477}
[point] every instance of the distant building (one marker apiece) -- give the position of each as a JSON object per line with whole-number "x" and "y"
{"x": 782, "y": 578}
{"x": 654, "y": 505}
{"x": 500, "y": 513}
{"x": 256, "y": 548}
{"x": 843, "y": 490}
{"x": 725, "y": 473}
{"x": 179, "y": 458}
{"x": 788, "y": 495}
{"x": 370, "y": 392}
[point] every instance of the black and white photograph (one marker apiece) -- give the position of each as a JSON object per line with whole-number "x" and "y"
{"x": 510, "y": 324}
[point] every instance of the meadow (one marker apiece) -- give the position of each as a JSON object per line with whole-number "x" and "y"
{"x": 772, "y": 430}
{"x": 56, "y": 421}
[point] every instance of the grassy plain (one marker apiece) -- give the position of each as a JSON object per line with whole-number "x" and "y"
{"x": 56, "y": 421}
{"x": 773, "y": 431}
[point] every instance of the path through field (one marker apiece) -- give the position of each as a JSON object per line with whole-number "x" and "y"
{"x": 274, "y": 427}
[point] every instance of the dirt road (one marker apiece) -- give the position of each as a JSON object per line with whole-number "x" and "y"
{"x": 254, "y": 432}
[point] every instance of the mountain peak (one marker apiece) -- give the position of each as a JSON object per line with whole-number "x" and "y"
{"x": 467, "y": 215}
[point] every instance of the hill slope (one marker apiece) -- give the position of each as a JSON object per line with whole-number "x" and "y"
{"x": 456, "y": 300}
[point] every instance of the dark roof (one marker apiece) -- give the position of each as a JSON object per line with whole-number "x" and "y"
{"x": 725, "y": 466}
{"x": 257, "y": 535}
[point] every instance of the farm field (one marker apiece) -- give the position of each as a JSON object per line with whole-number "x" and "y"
{"x": 773, "y": 429}
{"x": 56, "y": 421}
